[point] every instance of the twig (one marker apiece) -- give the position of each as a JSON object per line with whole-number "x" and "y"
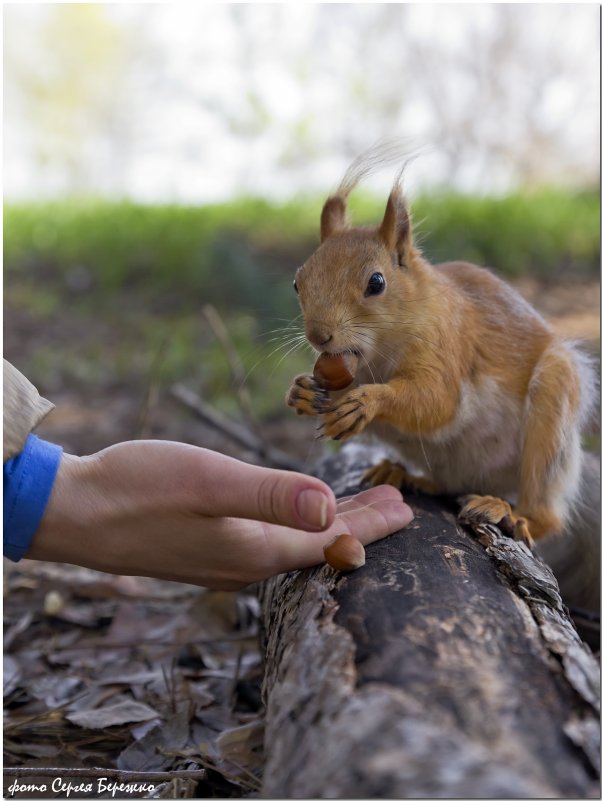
{"x": 235, "y": 679}
{"x": 250, "y": 783}
{"x": 236, "y": 368}
{"x": 234, "y": 431}
{"x": 152, "y": 776}
{"x": 18, "y": 628}
{"x": 234, "y": 637}
{"x": 151, "y": 391}
{"x": 40, "y": 715}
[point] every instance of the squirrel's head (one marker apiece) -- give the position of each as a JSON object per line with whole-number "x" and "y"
{"x": 357, "y": 289}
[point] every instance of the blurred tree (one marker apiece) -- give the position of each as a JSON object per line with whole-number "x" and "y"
{"x": 510, "y": 101}
{"x": 70, "y": 88}
{"x": 499, "y": 92}
{"x": 203, "y": 101}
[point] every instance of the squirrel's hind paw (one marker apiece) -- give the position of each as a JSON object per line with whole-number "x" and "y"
{"x": 387, "y": 472}
{"x": 478, "y": 509}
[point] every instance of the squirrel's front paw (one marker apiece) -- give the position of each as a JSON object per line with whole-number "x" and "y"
{"x": 306, "y": 396}
{"x": 347, "y": 417}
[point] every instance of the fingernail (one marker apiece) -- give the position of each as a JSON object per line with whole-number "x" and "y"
{"x": 312, "y": 507}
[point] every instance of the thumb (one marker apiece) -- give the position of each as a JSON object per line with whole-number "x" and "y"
{"x": 235, "y": 489}
{"x": 214, "y": 485}
{"x": 292, "y": 499}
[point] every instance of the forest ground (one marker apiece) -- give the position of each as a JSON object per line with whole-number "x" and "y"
{"x": 140, "y": 674}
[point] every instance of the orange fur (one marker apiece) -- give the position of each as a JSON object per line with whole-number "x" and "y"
{"x": 453, "y": 362}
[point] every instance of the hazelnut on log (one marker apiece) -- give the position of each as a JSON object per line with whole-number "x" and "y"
{"x": 345, "y": 552}
{"x": 334, "y": 371}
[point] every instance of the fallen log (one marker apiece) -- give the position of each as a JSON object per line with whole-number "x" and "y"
{"x": 446, "y": 667}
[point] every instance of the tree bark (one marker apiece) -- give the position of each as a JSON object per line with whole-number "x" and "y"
{"x": 446, "y": 667}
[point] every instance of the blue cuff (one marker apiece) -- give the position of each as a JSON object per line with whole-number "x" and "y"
{"x": 28, "y": 480}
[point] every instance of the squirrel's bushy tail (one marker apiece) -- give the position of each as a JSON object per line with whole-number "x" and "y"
{"x": 575, "y": 556}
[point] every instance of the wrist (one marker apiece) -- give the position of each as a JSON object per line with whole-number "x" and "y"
{"x": 67, "y": 530}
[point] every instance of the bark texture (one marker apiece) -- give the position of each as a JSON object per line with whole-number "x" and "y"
{"x": 447, "y": 667}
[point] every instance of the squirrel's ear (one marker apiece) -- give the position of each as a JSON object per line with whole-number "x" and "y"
{"x": 396, "y": 229}
{"x": 333, "y": 218}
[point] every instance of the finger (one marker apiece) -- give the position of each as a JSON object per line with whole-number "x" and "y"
{"x": 369, "y": 495}
{"x": 230, "y": 488}
{"x": 372, "y": 512}
{"x": 369, "y": 516}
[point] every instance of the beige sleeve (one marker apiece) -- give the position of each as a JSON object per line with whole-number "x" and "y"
{"x": 23, "y": 410}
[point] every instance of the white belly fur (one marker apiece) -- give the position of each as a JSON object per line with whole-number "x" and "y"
{"x": 479, "y": 451}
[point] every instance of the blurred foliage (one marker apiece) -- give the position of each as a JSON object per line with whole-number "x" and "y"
{"x": 136, "y": 278}
{"x": 548, "y": 234}
{"x": 233, "y": 255}
{"x": 238, "y": 254}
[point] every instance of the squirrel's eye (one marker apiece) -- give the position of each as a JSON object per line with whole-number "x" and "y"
{"x": 376, "y": 284}
{"x": 295, "y": 287}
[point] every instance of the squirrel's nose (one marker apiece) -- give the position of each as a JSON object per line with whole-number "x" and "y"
{"x": 318, "y": 337}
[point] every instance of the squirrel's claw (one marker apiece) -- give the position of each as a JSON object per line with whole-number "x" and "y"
{"x": 348, "y": 418}
{"x": 307, "y": 397}
{"x": 479, "y": 509}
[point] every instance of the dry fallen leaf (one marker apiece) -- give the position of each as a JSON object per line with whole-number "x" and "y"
{"x": 125, "y": 711}
{"x": 11, "y": 674}
{"x": 148, "y": 752}
{"x": 55, "y": 689}
{"x": 241, "y": 744}
{"x": 18, "y": 628}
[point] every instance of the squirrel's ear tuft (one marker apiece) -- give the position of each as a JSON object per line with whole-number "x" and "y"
{"x": 396, "y": 229}
{"x": 333, "y": 218}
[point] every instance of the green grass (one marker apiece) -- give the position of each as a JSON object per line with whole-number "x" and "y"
{"x": 547, "y": 234}
{"x": 234, "y": 251}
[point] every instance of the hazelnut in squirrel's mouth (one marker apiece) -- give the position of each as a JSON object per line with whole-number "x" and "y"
{"x": 334, "y": 371}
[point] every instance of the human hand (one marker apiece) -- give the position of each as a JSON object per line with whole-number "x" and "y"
{"x": 175, "y": 511}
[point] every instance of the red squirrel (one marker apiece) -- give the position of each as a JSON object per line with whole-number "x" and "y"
{"x": 457, "y": 372}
